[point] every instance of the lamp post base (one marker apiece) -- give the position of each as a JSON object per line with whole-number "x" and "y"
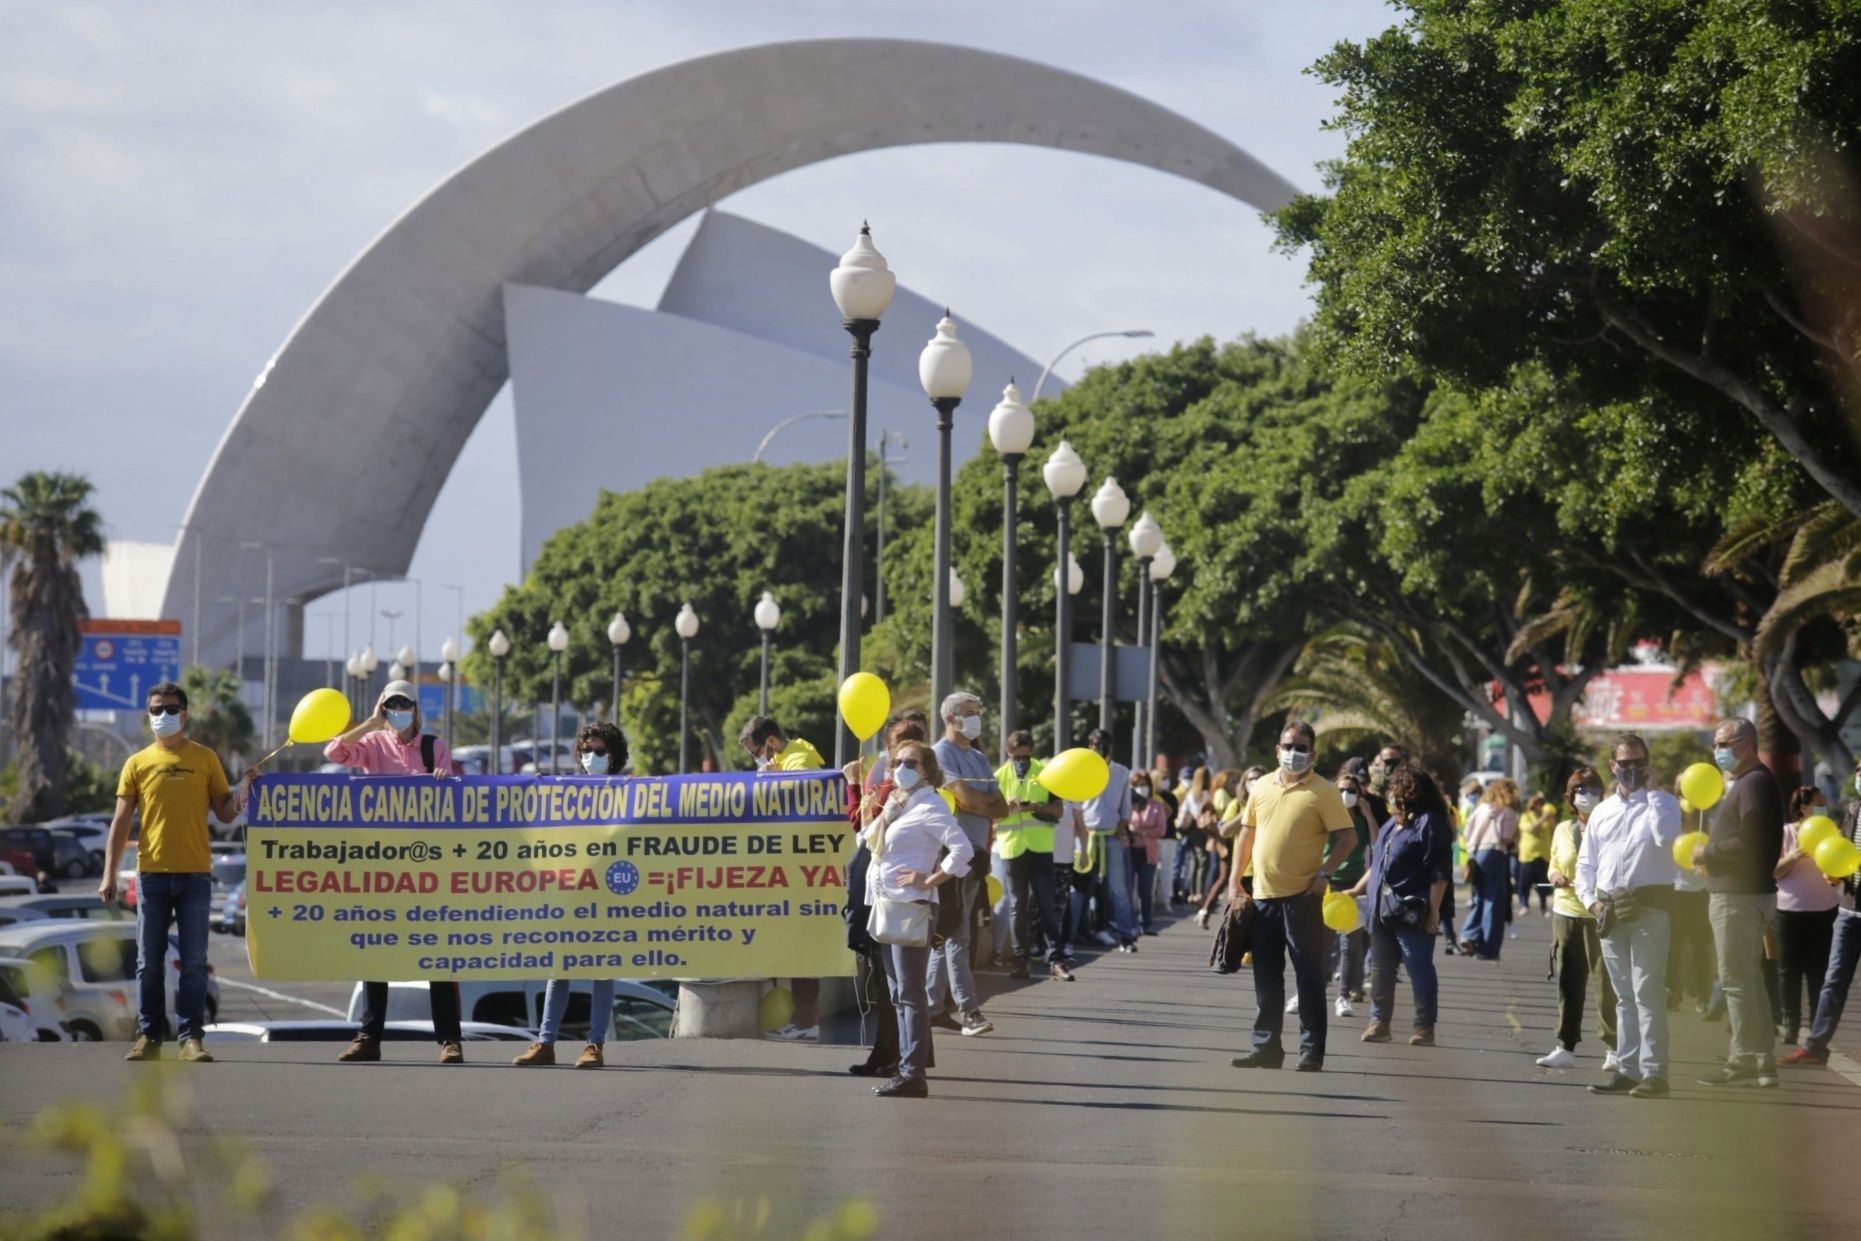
{"x": 718, "y": 1010}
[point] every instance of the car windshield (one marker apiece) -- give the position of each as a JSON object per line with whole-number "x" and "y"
{"x": 9, "y": 994}
{"x": 229, "y": 870}
{"x": 107, "y": 959}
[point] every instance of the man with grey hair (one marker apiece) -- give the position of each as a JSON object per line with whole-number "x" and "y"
{"x": 1744, "y": 841}
{"x": 970, "y": 779}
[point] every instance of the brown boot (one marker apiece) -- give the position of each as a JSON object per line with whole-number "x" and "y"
{"x": 539, "y": 1053}
{"x": 590, "y": 1057}
{"x": 1377, "y": 1032}
{"x": 194, "y": 1051}
{"x": 145, "y": 1048}
{"x": 451, "y": 1053}
{"x": 363, "y": 1049}
{"x": 1422, "y": 1038}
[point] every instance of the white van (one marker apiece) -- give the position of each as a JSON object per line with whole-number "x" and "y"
{"x": 91, "y": 968}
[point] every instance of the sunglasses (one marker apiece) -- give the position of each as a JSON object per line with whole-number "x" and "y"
{"x": 595, "y": 752}
{"x": 166, "y": 708}
{"x": 911, "y": 763}
{"x": 398, "y": 704}
{"x": 1298, "y": 749}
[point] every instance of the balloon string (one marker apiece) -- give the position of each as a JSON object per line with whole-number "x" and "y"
{"x": 274, "y": 754}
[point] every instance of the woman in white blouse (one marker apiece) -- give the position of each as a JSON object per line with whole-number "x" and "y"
{"x": 906, "y": 838}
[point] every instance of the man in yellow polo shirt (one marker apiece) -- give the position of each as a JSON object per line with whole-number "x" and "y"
{"x": 1025, "y": 841}
{"x": 1294, "y": 832}
{"x": 173, "y": 782}
{"x": 772, "y": 750}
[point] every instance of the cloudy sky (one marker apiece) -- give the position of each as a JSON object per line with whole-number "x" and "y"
{"x": 179, "y": 182}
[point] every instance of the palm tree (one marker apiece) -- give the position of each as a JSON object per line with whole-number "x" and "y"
{"x": 46, "y": 527}
{"x": 215, "y": 716}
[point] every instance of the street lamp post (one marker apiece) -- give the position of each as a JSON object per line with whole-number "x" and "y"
{"x": 369, "y": 662}
{"x": 448, "y": 674}
{"x": 558, "y": 643}
{"x": 1011, "y": 430}
{"x": 862, "y": 287}
{"x": 499, "y": 646}
{"x": 270, "y": 639}
{"x": 1146, "y": 541}
{"x": 1132, "y": 333}
{"x": 618, "y": 631}
{"x": 768, "y": 615}
{"x": 958, "y": 592}
{"x": 1110, "y": 506}
{"x": 886, "y": 439}
{"x": 1064, "y": 475}
{"x": 1160, "y": 570}
{"x": 686, "y": 625}
{"x": 352, "y": 673}
{"x": 944, "y": 368}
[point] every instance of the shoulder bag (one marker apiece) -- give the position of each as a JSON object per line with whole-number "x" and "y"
{"x": 906, "y": 924}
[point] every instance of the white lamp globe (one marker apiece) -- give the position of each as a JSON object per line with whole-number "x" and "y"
{"x": 499, "y": 644}
{"x": 957, "y": 590}
{"x": 686, "y": 623}
{"x": 396, "y": 672}
{"x": 618, "y": 631}
{"x": 370, "y": 661}
{"x": 944, "y": 367}
{"x": 1146, "y": 537}
{"x": 1110, "y": 506}
{"x": 1075, "y": 576}
{"x": 558, "y": 638}
{"x": 1064, "y": 472}
{"x": 1011, "y": 424}
{"x": 406, "y": 657}
{"x": 449, "y": 650}
{"x": 862, "y": 284}
{"x": 354, "y": 663}
{"x": 1163, "y": 564}
{"x": 768, "y": 615}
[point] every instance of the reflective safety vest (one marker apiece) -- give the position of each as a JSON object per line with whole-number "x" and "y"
{"x": 1021, "y": 831}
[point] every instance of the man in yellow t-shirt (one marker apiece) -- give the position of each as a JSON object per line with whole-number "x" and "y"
{"x": 1533, "y": 863}
{"x": 772, "y": 750}
{"x": 1286, "y": 832}
{"x": 173, "y": 783}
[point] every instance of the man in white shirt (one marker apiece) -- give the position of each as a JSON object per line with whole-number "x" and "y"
{"x": 1625, "y": 875}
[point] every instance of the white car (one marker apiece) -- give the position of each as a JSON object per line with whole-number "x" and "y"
{"x": 18, "y": 885}
{"x": 16, "y": 1025}
{"x": 643, "y": 1008}
{"x": 90, "y": 968}
{"x": 33, "y": 991}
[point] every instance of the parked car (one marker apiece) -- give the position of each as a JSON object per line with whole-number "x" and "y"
{"x": 37, "y": 994}
{"x": 643, "y": 1008}
{"x": 36, "y": 841}
{"x": 93, "y": 837}
{"x": 330, "y": 1030}
{"x": 229, "y": 872}
{"x": 19, "y": 862}
{"x": 232, "y": 919}
{"x": 18, "y": 885}
{"x": 16, "y": 1023}
{"x": 63, "y": 905}
{"x": 475, "y": 760}
{"x": 92, "y": 966}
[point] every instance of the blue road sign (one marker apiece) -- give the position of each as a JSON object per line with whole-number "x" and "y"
{"x": 433, "y": 700}
{"x": 116, "y": 667}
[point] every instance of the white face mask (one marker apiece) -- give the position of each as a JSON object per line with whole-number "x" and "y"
{"x": 594, "y": 764}
{"x": 1293, "y": 761}
{"x": 164, "y": 725}
{"x": 972, "y": 726}
{"x": 905, "y": 778}
{"x": 1585, "y": 801}
{"x": 1350, "y": 801}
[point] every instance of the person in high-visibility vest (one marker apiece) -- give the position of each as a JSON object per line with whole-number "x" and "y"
{"x": 1025, "y": 839}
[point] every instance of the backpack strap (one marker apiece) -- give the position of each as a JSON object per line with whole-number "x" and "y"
{"x": 428, "y": 744}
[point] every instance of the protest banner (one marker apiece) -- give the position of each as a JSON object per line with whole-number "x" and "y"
{"x": 483, "y": 877}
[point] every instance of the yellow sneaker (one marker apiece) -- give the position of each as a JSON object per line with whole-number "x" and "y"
{"x": 192, "y": 1049}
{"x": 590, "y": 1057}
{"x": 144, "y": 1048}
{"x": 539, "y": 1053}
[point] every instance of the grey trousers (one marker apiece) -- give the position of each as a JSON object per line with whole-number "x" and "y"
{"x": 1739, "y": 922}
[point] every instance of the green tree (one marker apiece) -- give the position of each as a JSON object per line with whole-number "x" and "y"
{"x": 1601, "y": 188}
{"x": 215, "y": 716}
{"x": 716, "y": 540}
{"x": 46, "y": 527}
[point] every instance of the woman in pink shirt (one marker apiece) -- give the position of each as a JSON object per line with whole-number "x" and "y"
{"x": 1806, "y": 909}
{"x": 390, "y": 743}
{"x": 1150, "y": 819}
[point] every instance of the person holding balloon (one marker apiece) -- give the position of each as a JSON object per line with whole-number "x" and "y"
{"x": 1739, "y": 858}
{"x": 1410, "y": 869}
{"x": 1806, "y": 909}
{"x": 1576, "y": 949}
{"x": 390, "y": 743}
{"x": 1837, "y": 854}
{"x": 871, "y": 983}
{"x": 979, "y": 805}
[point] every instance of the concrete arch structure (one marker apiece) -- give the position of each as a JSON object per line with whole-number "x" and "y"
{"x": 344, "y": 442}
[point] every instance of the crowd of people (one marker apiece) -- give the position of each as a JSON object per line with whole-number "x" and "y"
{"x": 1745, "y": 924}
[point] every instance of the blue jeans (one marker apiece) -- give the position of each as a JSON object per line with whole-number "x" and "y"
{"x": 1416, "y": 948}
{"x": 905, "y": 969}
{"x": 1295, "y": 926}
{"x": 1030, "y": 901}
{"x": 556, "y": 1003}
{"x": 1144, "y": 879}
{"x": 1110, "y": 885}
{"x": 1844, "y": 953}
{"x": 946, "y": 966}
{"x": 180, "y": 901}
{"x": 1486, "y": 914}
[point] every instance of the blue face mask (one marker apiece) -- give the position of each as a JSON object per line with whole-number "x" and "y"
{"x": 1725, "y": 758}
{"x": 400, "y": 721}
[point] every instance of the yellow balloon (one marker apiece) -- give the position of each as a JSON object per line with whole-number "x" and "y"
{"x": 777, "y": 1008}
{"x": 864, "y": 703}
{"x": 1703, "y": 785}
{"x": 1341, "y": 913}
{"x": 1837, "y": 857}
{"x": 1684, "y": 847}
{"x": 949, "y": 799}
{"x": 320, "y": 716}
{"x": 1815, "y": 830}
{"x": 1075, "y": 775}
{"x": 995, "y": 890}
{"x": 1687, "y": 807}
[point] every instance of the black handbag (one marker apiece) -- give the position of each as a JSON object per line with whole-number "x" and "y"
{"x": 1393, "y": 910}
{"x": 1231, "y": 938}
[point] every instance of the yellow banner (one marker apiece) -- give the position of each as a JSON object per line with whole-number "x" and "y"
{"x": 483, "y": 877}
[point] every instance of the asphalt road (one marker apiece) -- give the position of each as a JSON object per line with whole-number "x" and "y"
{"x": 1103, "y": 1108}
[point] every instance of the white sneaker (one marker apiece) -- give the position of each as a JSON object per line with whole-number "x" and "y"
{"x": 1201, "y": 917}
{"x": 1344, "y": 1008}
{"x": 1611, "y": 1064}
{"x": 1560, "y": 1058}
{"x": 795, "y": 1034}
{"x": 1292, "y": 1005}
